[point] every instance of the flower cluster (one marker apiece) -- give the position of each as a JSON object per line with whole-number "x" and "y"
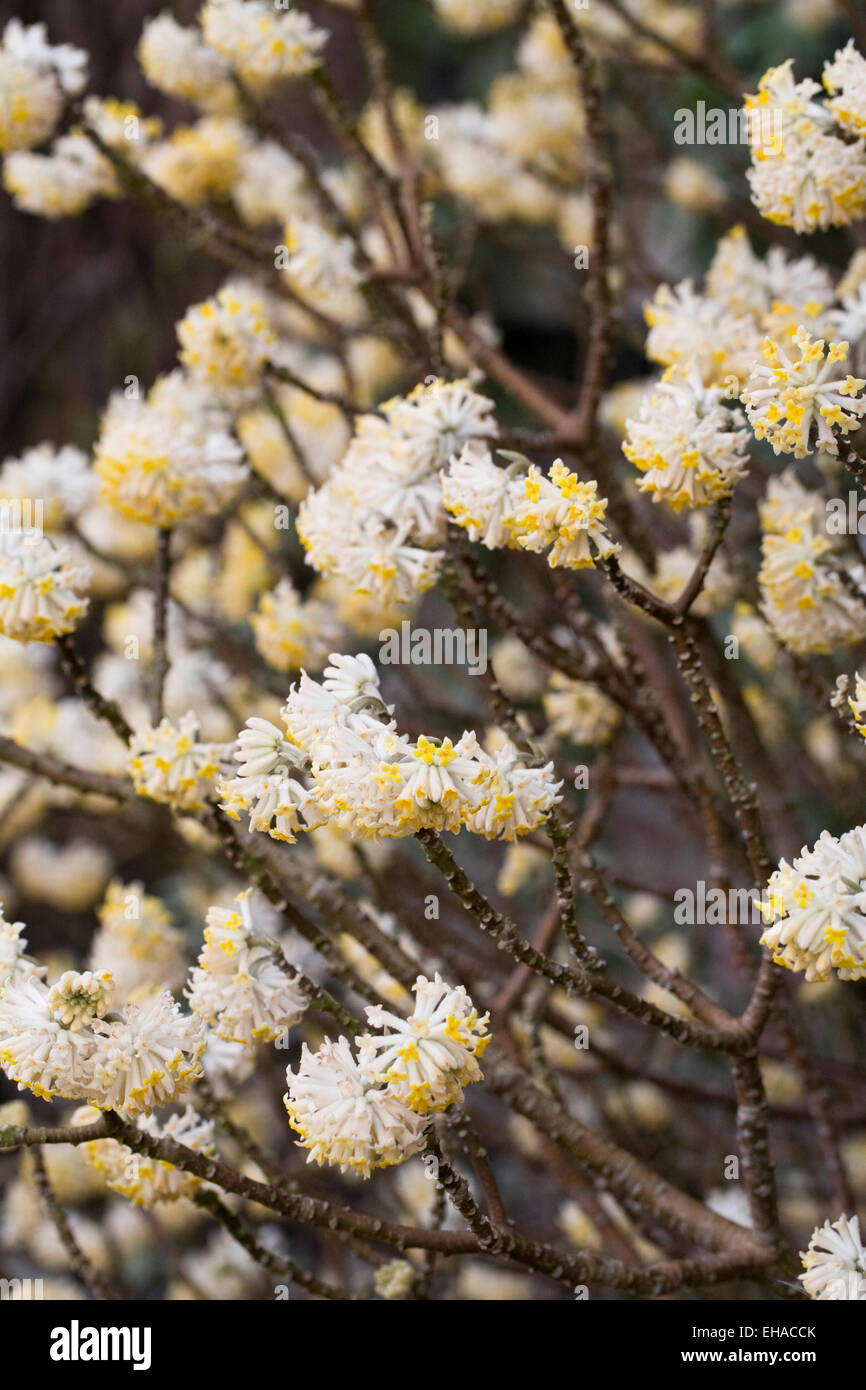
{"x": 241, "y": 985}
{"x": 817, "y": 907}
{"x": 808, "y": 604}
{"x": 798, "y": 403}
{"x": 56, "y": 1042}
{"x": 376, "y": 520}
{"x": 368, "y": 1110}
{"x": 226, "y": 341}
{"x": 835, "y": 1262}
{"x": 688, "y": 446}
{"x": 809, "y": 172}
{"x": 292, "y": 633}
{"x": 168, "y": 763}
{"x": 146, "y": 1181}
{"x": 42, "y": 590}
{"x": 263, "y": 46}
{"x": 36, "y": 79}
{"x": 169, "y": 456}
{"x": 136, "y": 943}
{"x": 523, "y": 508}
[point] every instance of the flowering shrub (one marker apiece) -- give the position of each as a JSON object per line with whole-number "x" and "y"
{"x": 299, "y": 881}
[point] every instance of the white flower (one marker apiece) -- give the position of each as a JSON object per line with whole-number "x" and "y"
{"x": 168, "y": 764}
{"x": 60, "y": 478}
{"x": 148, "y": 1058}
{"x": 698, "y": 331}
{"x": 344, "y": 1114}
{"x": 370, "y": 553}
{"x": 13, "y": 965}
{"x": 60, "y": 184}
{"x": 479, "y": 495}
{"x": 41, "y": 589}
{"x": 227, "y": 1065}
{"x": 438, "y": 418}
{"x": 36, "y": 1050}
{"x": 517, "y": 797}
{"x": 745, "y": 284}
{"x": 263, "y": 45}
{"x": 579, "y": 710}
{"x": 353, "y": 680}
{"x": 269, "y": 180}
{"x": 226, "y": 340}
{"x": 819, "y": 907}
{"x": 798, "y": 403}
{"x": 292, "y": 632}
{"x": 168, "y": 457}
{"x": 835, "y": 1262}
{"x": 267, "y": 786}
{"x": 435, "y": 774}
{"x": 147, "y": 1181}
{"x": 802, "y": 174}
{"x": 321, "y": 267}
{"x": 429, "y": 1057}
{"x": 136, "y": 942}
{"x": 29, "y": 44}
{"x": 688, "y": 445}
{"x": 35, "y": 79}
{"x": 846, "y": 75}
{"x": 564, "y": 514}
{"x": 174, "y": 59}
{"x": 238, "y": 985}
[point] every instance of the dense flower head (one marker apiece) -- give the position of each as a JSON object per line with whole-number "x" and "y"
{"x": 688, "y": 446}
{"x": 809, "y": 606}
{"x": 697, "y": 331}
{"x": 372, "y": 782}
{"x": 804, "y": 175}
{"x": 835, "y": 1262}
{"x": 479, "y": 495}
{"x": 579, "y": 710}
{"x": 263, "y": 45}
{"x": 62, "y": 183}
{"x": 430, "y": 1056}
{"x": 198, "y": 162}
{"x": 36, "y": 78}
{"x": 321, "y": 267}
{"x": 136, "y": 942}
{"x": 817, "y": 906}
{"x": 42, "y": 589}
{"x": 376, "y": 519}
{"x": 174, "y": 59}
{"x": 168, "y": 763}
{"x": 145, "y": 1056}
{"x": 226, "y": 341}
{"x": 345, "y": 1116}
{"x": 60, "y": 478}
{"x": 147, "y": 1181}
{"x": 292, "y": 632}
{"x": 563, "y": 516}
{"x": 269, "y": 786}
{"x": 77, "y": 999}
{"x": 14, "y": 964}
{"x": 799, "y": 402}
{"x": 167, "y": 457}
{"x": 845, "y": 80}
{"x": 240, "y": 985}
{"x": 368, "y": 1110}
